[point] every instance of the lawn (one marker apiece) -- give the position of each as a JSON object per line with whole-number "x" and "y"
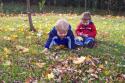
{"x": 21, "y": 58}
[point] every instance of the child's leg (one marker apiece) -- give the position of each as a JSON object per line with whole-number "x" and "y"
{"x": 89, "y": 42}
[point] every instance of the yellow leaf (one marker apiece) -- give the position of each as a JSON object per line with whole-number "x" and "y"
{"x": 6, "y": 51}
{"x": 88, "y": 58}
{"x": 101, "y": 66}
{"x": 107, "y": 72}
{"x": 50, "y": 76}
{"x": 33, "y": 51}
{"x": 40, "y": 65}
{"x": 21, "y": 29}
{"x": 13, "y": 37}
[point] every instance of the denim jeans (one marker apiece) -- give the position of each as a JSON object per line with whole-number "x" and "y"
{"x": 86, "y": 42}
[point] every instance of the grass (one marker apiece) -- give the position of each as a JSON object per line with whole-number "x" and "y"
{"x": 16, "y": 65}
{"x": 110, "y": 44}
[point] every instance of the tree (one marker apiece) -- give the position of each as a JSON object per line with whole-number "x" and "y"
{"x": 85, "y": 5}
{"x": 1, "y": 6}
{"x": 29, "y": 17}
{"x": 41, "y": 4}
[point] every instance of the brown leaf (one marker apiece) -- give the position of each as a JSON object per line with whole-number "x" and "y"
{"x": 91, "y": 70}
{"x": 31, "y": 80}
{"x": 22, "y": 49}
{"x": 101, "y": 66}
{"x": 79, "y": 60}
{"x": 94, "y": 75}
{"x": 120, "y": 77}
{"x": 60, "y": 47}
{"x": 88, "y": 58}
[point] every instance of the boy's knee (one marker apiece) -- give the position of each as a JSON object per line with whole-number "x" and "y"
{"x": 90, "y": 44}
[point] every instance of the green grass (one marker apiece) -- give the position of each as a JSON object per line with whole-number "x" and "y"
{"x": 110, "y": 44}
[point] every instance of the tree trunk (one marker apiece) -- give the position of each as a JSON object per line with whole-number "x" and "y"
{"x": 109, "y": 7}
{"x": 29, "y": 17}
{"x": 1, "y": 6}
{"x": 85, "y": 5}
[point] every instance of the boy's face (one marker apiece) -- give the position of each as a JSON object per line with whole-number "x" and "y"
{"x": 61, "y": 33}
{"x": 85, "y": 21}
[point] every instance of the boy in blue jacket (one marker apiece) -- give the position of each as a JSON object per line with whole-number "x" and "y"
{"x": 61, "y": 34}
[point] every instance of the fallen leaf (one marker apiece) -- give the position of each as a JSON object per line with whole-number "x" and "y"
{"x": 94, "y": 75}
{"x": 22, "y": 49}
{"x": 79, "y": 60}
{"x": 13, "y": 37}
{"x": 7, "y": 63}
{"x": 31, "y": 80}
{"x": 39, "y": 34}
{"x": 6, "y": 51}
{"x": 106, "y": 72}
{"x": 88, "y": 58}
{"x": 120, "y": 77}
{"x": 91, "y": 70}
{"x": 50, "y": 76}
{"x": 40, "y": 65}
{"x": 101, "y": 66}
{"x": 21, "y": 29}
{"x": 60, "y": 47}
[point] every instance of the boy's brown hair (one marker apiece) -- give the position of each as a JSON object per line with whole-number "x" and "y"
{"x": 86, "y": 15}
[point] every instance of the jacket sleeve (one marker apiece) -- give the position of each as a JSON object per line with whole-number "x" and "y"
{"x": 93, "y": 32}
{"x": 78, "y": 31}
{"x": 71, "y": 35}
{"x": 49, "y": 40}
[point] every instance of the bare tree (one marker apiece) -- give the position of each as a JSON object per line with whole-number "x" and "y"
{"x": 29, "y": 17}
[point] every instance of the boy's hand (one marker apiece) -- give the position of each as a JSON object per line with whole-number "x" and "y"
{"x": 85, "y": 35}
{"x": 79, "y": 38}
{"x": 80, "y": 34}
{"x": 45, "y": 51}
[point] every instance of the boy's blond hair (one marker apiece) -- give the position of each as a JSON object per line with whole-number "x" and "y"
{"x": 62, "y": 24}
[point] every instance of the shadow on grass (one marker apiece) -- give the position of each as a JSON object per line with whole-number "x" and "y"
{"x": 106, "y": 48}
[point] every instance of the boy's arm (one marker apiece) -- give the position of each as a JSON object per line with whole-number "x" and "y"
{"x": 94, "y": 32}
{"x": 49, "y": 40}
{"x": 77, "y": 31}
{"x": 72, "y": 39}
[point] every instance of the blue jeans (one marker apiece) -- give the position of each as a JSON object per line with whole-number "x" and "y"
{"x": 86, "y": 42}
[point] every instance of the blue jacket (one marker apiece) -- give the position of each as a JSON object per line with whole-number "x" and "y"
{"x": 68, "y": 40}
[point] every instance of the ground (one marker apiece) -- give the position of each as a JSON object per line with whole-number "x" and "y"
{"x": 21, "y": 57}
